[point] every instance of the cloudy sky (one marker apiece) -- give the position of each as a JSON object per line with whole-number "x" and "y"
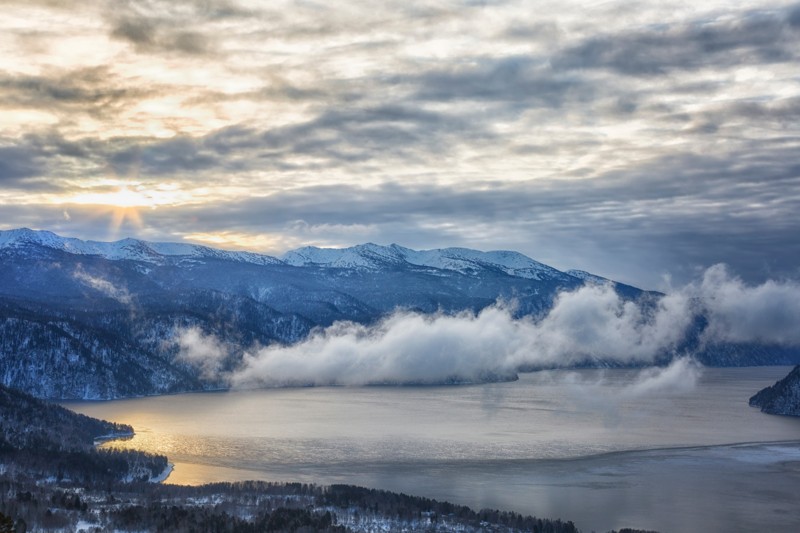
{"x": 631, "y": 139}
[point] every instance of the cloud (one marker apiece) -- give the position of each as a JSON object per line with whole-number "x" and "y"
{"x": 152, "y": 35}
{"x": 631, "y": 224}
{"x": 736, "y": 312}
{"x": 754, "y": 37}
{"x": 18, "y": 163}
{"x": 680, "y": 375}
{"x": 92, "y": 88}
{"x": 151, "y": 26}
{"x": 364, "y": 133}
{"x": 587, "y": 325}
{"x": 203, "y": 351}
{"x": 591, "y": 325}
{"x": 654, "y": 140}
{"x": 104, "y": 286}
{"x": 35, "y": 162}
{"x": 176, "y": 155}
{"x": 523, "y": 81}
{"x": 334, "y": 138}
{"x": 608, "y": 398}
{"x": 404, "y": 348}
{"x": 595, "y": 324}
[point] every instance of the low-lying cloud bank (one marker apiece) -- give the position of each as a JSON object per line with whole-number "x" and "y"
{"x": 678, "y": 376}
{"x": 591, "y": 324}
{"x": 737, "y": 313}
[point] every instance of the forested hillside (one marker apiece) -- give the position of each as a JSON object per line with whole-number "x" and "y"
{"x": 782, "y": 398}
{"x": 43, "y": 441}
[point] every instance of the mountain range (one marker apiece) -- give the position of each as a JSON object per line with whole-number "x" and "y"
{"x": 91, "y": 320}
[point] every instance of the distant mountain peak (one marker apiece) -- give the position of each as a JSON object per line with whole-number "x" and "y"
{"x": 587, "y": 276}
{"x": 125, "y": 249}
{"x": 464, "y": 260}
{"x": 368, "y": 256}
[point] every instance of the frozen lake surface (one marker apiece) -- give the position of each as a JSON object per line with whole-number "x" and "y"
{"x": 587, "y": 446}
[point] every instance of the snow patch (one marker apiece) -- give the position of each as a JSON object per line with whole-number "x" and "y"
{"x": 163, "y": 475}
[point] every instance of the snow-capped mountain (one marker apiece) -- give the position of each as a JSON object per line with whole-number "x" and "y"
{"x": 86, "y": 319}
{"x": 364, "y": 256}
{"x": 462, "y": 260}
{"x": 125, "y": 249}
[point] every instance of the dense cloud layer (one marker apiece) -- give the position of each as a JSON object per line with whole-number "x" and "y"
{"x": 738, "y": 313}
{"x": 654, "y": 140}
{"x": 591, "y": 324}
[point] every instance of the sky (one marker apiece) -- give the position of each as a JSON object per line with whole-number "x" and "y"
{"x": 641, "y": 141}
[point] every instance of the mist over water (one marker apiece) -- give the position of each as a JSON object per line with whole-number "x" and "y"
{"x": 585, "y": 325}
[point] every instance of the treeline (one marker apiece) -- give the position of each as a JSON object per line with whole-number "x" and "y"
{"x": 26, "y": 421}
{"x": 247, "y": 507}
{"x": 46, "y": 441}
{"x": 407, "y": 508}
{"x": 352, "y": 500}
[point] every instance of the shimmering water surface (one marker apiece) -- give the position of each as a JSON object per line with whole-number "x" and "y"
{"x": 585, "y": 446}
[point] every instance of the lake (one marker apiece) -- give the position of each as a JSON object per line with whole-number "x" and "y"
{"x": 586, "y": 446}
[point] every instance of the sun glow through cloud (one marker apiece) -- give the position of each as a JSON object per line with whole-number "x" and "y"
{"x": 122, "y": 198}
{"x": 264, "y": 243}
{"x": 125, "y": 204}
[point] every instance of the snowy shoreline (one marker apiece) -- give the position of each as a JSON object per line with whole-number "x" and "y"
{"x": 122, "y": 435}
{"x": 102, "y": 439}
{"x": 162, "y": 477}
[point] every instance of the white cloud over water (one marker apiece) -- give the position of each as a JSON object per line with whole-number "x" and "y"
{"x": 769, "y": 312}
{"x": 204, "y": 351}
{"x": 607, "y": 398}
{"x": 591, "y": 324}
{"x": 680, "y": 375}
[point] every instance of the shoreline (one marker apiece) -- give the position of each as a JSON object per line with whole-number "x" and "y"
{"x": 164, "y": 475}
{"x": 113, "y": 436}
{"x": 445, "y": 383}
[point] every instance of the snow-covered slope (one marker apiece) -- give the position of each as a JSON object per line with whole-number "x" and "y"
{"x": 126, "y": 249}
{"x": 364, "y": 256}
{"x": 586, "y": 276}
{"x": 462, "y": 260}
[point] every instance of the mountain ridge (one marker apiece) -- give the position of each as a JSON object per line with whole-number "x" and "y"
{"x": 92, "y": 320}
{"x": 124, "y": 249}
{"x": 96, "y": 320}
{"x": 367, "y": 255}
